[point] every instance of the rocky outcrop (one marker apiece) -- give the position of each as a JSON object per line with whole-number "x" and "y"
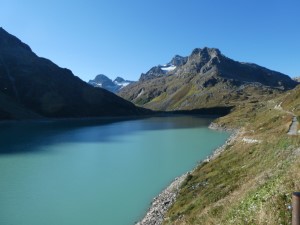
{"x": 178, "y": 60}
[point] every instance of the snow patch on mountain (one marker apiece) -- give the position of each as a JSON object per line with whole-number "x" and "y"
{"x": 168, "y": 68}
{"x": 123, "y": 84}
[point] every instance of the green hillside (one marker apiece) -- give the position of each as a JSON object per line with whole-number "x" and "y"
{"x": 251, "y": 181}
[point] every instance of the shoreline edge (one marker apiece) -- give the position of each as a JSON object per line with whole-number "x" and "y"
{"x": 161, "y": 203}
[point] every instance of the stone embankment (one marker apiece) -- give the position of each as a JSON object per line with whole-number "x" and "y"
{"x": 161, "y": 203}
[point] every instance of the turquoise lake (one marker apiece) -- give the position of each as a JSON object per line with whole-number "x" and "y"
{"x": 94, "y": 172}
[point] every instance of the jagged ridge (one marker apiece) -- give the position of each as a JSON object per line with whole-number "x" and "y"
{"x": 207, "y": 78}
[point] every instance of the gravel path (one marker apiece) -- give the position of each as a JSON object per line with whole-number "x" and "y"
{"x": 293, "y": 130}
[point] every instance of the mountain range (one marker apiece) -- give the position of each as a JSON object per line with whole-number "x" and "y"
{"x": 247, "y": 181}
{"x": 34, "y": 87}
{"x": 114, "y": 86}
{"x": 206, "y": 78}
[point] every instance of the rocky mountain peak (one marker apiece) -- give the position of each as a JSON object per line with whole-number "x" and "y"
{"x": 119, "y": 80}
{"x": 102, "y": 78}
{"x": 206, "y": 50}
{"x": 205, "y": 54}
{"x": 102, "y": 81}
{"x": 178, "y": 60}
{"x": 154, "y": 72}
{"x": 201, "y": 59}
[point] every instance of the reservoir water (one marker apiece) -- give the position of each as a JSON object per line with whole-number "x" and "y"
{"x": 95, "y": 172}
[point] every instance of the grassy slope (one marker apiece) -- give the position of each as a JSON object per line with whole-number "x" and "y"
{"x": 247, "y": 183}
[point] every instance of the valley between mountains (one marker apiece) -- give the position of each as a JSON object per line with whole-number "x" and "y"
{"x": 249, "y": 182}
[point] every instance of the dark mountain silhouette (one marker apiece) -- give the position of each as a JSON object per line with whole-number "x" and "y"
{"x": 38, "y": 85}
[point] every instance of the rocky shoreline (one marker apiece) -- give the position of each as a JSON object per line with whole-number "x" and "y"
{"x": 161, "y": 203}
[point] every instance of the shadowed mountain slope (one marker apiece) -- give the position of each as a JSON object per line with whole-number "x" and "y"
{"x": 46, "y": 89}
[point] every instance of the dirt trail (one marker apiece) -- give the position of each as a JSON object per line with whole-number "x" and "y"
{"x": 293, "y": 130}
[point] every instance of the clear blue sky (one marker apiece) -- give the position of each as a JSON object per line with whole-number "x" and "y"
{"x": 126, "y": 38}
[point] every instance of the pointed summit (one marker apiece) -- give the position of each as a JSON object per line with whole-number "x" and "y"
{"x": 2, "y": 30}
{"x": 206, "y": 50}
{"x": 8, "y": 41}
{"x": 119, "y": 79}
{"x": 205, "y": 53}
